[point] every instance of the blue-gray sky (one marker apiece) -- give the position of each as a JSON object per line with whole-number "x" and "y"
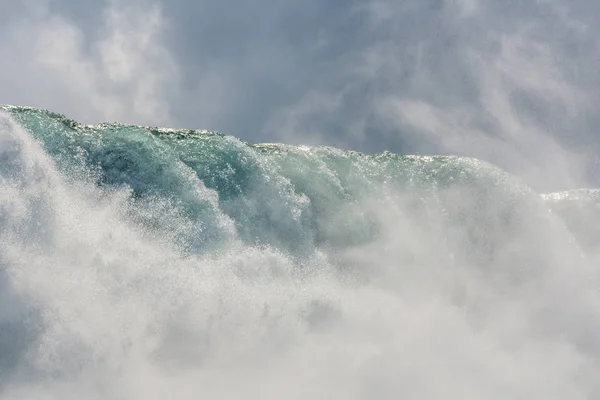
{"x": 513, "y": 82}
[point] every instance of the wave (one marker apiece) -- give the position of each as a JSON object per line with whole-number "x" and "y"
{"x": 138, "y": 259}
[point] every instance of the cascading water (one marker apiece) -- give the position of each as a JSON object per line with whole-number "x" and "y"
{"x": 150, "y": 263}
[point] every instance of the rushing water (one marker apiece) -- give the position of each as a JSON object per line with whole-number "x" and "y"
{"x": 151, "y": 263}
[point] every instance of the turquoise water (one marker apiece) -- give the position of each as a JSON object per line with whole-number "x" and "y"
{"x": 136, "y": 260}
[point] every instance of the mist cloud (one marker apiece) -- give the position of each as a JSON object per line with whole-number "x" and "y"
{"x": 121, "y": 72}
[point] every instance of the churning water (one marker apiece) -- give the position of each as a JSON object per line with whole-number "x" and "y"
{"x": 147, "y": 263}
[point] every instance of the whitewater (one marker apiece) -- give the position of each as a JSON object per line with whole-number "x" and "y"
{"x": 152, "y": 263}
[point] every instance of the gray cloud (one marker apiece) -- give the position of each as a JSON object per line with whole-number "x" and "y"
{"x": 119, "y": 72}
{"x": 510, "y": 82}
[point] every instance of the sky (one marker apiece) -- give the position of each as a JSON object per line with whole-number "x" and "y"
{"x": 512, "y": 82}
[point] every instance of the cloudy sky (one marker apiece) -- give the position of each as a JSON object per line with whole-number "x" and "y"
{"x": 513, "y": 82}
